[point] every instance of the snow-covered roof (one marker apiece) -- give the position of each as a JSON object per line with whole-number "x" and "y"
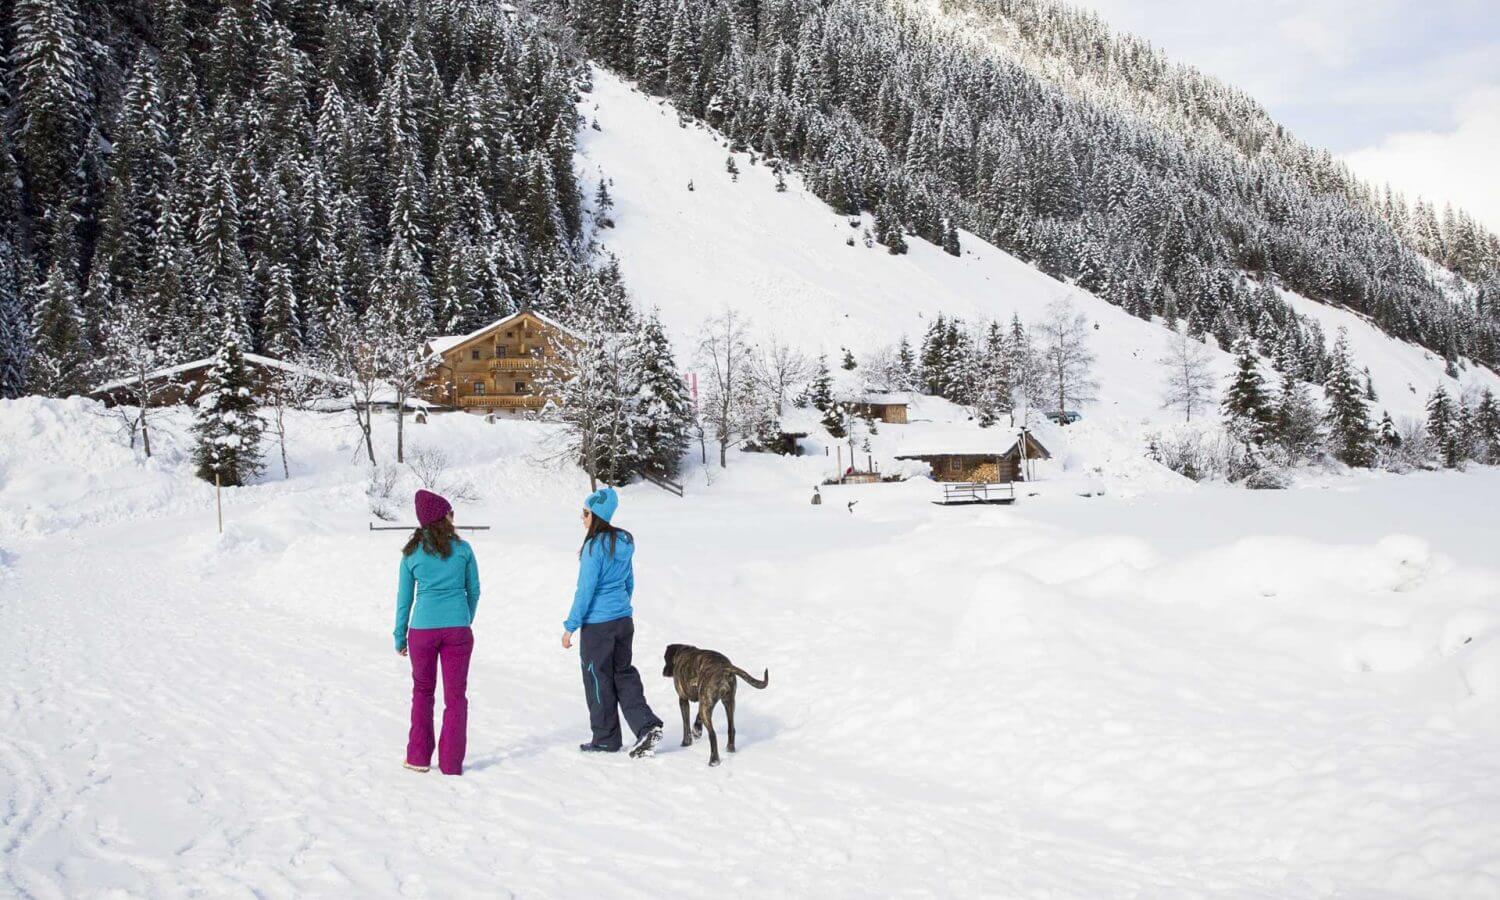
{"x": 946, "y": 440}
{"x": 883, "y": 398}
{"x": 251, "y": 358}
{"x": 443, "y": 343}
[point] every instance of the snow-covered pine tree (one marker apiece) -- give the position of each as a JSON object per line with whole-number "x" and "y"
{"x": 226, "y": 424}
{"x": 1348, "y": 417}
{"x": 1297, "y": 428}
{"x": 820, "y": 395}
{"x": 663, "y": 416}
{"x": 15, "y": 327}
{"x": 1387, "y": 434}
{"x": 848, "y": 364}
{"x": 60, "y": 360}
{"x": 992, "y": 394}
{"x": 1248, "y": 412}
{"x": 1486, "y": 428}
{"x": 933, "y": 366}
{"x": 1443, "y": 428}
{"x": 905, "y": 368}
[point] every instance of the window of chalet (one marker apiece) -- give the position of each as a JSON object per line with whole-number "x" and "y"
{"x": 520, "y": 387}
{"x": 479, "y": 389}
{"x": 955, "y": 464}
{"x": 499, "y": 351}
{"x": 473, "y": 354}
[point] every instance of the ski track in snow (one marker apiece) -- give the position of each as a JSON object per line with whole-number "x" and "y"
{"x": 1065, "y": 698}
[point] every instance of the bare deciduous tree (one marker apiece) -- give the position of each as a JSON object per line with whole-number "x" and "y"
{"x": 132, "y": 352}
{"x": 779, "y": 367}
{"x": 725, "y": 358}
{"x": 1190, "y": 382}
{"x": 352, "y": 353}
{"x": 296, "y": 386}
{"x": 1067, "y": 362}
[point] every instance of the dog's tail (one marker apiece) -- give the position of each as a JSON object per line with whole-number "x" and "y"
{"x": 751, "y": 679}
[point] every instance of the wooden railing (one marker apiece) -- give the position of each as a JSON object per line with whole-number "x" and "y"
{"x": 516, "y": 363}
{"x": 501, "y": 401}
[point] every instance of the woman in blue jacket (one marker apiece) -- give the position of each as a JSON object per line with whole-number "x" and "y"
{"x": 601, "y": 612}
{"x": 438, "y": 573}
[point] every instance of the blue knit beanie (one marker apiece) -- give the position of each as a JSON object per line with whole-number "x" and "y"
{"x": 603, "y": 503}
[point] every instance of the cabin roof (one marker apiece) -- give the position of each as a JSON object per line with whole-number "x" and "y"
{"x": 443, "y": 343}
{"x": 883, "y": 398}
{"x": 251, "y": 359}
{"x": 965, "y": 441}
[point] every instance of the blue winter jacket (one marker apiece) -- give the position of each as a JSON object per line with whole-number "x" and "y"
{"x": 605, "y": 583}
{"x": 446, "y": 590}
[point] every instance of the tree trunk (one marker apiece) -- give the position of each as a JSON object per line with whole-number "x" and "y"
{"x": 723, "y": 453}
{"x": 400, "y": 426}
{"x": 364, "y": 426}
{"x": 286, "y": 471}
{"x": 145, "y": 431}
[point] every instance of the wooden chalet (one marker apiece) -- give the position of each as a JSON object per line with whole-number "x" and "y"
{"x": 882, "y": 407}
{"x": 964, "y": 461}
{"x": 500, "y": 369}
{"x": 183, "y": 383}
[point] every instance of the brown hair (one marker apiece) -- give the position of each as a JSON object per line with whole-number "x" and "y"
{"x": 436, "y": 539}
{"x": 598, "y": 528}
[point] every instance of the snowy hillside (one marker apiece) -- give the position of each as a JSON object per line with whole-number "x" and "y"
{"x": 1202, "y": 694}
{"x": 781, "y": 258}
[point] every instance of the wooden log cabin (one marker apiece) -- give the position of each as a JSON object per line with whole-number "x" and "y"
{"x": 500, "y": 369}
{"x": 979, "y": 466}
{"x": 881, "y": 406}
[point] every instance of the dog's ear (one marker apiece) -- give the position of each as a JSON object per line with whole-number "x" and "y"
{"x": 671, "y": 652}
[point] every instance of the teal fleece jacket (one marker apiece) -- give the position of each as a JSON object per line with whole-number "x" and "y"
{"x": 605, "y": 584}
{"x": 446, "y": 591}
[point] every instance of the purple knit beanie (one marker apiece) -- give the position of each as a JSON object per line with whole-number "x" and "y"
{"x": 431, "y": 507}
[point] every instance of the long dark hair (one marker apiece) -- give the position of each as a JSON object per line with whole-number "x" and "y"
{"x": 598, "y": 528}
{"x": 436, "y": 539}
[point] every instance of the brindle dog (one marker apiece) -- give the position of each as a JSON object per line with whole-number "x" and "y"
{"x": 707, "y": 677}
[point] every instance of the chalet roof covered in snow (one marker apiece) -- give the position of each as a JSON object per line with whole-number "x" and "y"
{"x": 443, "y": 343}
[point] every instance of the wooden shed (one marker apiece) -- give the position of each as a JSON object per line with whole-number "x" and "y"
{"x": 975, "y": 465}
{"x": 882, "y": 407}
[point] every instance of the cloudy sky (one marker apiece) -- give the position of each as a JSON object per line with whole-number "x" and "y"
{"x": 1407, "y": 92}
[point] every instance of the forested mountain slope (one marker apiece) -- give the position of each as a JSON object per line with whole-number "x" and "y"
{"x": 271, "y": 167}
{"x": 693, "y": 239}
{"x": 887, "y": 107}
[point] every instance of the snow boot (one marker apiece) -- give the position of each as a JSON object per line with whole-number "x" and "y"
{"x": 646, "y": 745}
{"x": 407, "y": 765}
{"x": 597, "y": 748}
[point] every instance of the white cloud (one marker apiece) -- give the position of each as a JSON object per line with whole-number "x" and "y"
{"x": 1458, "y": 166}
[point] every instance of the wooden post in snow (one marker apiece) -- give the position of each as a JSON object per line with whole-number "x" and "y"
{"x": 219, "y": 502}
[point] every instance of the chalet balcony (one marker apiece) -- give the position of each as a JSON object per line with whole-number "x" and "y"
{"x": 500, "y": 401}
{"x": 517, "y": 364}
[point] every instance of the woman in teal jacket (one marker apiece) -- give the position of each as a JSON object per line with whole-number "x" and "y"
{"x": 601, "y": 613}
{"x": 436, "y": 598}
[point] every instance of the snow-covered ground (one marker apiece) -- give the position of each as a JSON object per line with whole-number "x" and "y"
{"x": 1201, "y": 692}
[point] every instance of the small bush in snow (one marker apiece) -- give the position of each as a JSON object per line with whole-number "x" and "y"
{"x": 381, "y": 491}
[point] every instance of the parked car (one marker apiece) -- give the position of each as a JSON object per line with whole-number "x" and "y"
{"x": 1064, "y": 417}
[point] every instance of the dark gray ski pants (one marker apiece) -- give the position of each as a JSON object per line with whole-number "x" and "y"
{"x": 610, "y": 681}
